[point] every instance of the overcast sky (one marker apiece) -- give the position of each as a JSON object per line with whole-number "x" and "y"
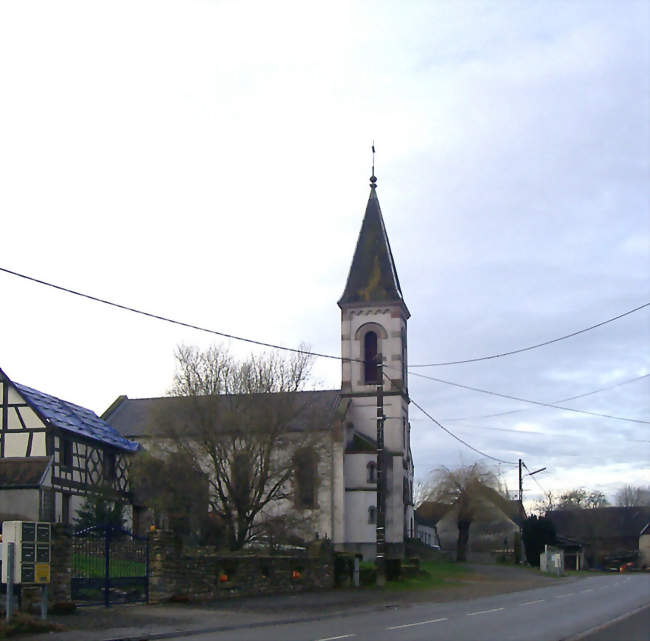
{"x": 209, "y": 161}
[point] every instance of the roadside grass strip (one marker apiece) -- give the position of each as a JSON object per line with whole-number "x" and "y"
{"x": 473, "y": 614}
{"x": 410, "y": 625}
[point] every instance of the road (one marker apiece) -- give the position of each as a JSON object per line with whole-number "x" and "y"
{"x": 545, "y": 614}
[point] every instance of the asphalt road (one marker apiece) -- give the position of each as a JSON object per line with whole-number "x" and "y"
{"x": 555, "y": 613}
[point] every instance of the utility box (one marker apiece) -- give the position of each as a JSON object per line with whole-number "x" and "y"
{"x": 32, "y": 551}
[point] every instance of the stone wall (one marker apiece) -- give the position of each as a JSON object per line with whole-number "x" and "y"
{"x": 200, "y": 573}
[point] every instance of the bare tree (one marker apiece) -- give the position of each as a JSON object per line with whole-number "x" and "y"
{"x": 471, "y": 490}
{"x": 247, "y": 428}
{"x": 581, "y": 499}
{"x": 631, "y": 496}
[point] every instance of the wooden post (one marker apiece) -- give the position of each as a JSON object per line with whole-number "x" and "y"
{"x": 380, "y": 559}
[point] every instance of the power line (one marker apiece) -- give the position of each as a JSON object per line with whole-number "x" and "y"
{"x": 530, "y": 347}
{"x": 293, "y": 349}
{"x": 526, "y": 400}
{"x": 176, "y": 322}
{"x": 561, "y": 400}
{"x": 534, "y": 479}
{"x": 465, "y": 443}
{"x": 448, "y": 431}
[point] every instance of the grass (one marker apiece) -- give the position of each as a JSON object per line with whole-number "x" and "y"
{"x": 432, "y": 575}
{"x": 95, "y": 567}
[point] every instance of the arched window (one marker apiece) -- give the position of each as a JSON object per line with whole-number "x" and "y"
{"x": 371, "y": 469}
{"x": 305, "y": 463}
{"x": 372, "y": 514}
{"x": 370, "y": 358}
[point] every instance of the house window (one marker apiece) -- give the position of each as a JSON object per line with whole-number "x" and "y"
{"x": 46, "y": 508}
{"x": 371, "y": 469}
{"x": 372, "y": 514}
{"x": 370, "y": 358}
{"x": 109, "y": 466}
{"x": 65, "y": 508}
{"x": 305, "y": 479}
{"x": 66, "y": 452}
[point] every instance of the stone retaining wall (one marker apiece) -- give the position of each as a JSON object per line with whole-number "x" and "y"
{"x": 201, "y": 574}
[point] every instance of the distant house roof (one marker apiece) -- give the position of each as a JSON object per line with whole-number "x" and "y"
{"x": 603, "y": 522}
{"x": 135, "y": 417}
{"x": 74, "y": 418}
{"x": 430, "y": 512}
{"x": 20, "y": 472}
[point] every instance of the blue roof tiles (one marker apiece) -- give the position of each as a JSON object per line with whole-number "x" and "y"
{"x": 74, "y": 418}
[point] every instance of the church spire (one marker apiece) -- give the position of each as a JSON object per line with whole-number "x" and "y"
{"x": 373, "y": 277}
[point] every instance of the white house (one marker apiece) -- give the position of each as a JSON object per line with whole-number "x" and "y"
{"x": 373, "y": 321}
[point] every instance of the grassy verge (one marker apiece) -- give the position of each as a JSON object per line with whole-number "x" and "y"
{"x": 432, "y": 575}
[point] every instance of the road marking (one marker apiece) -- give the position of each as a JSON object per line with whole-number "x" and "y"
{"x": 473, "y": 614}
{"x": 410, "y": 625}
{"x": 531, "y": 602}
{"x": 343, "y": 636}
{"x": 588, "y": 590}
{"x": 561, "y": 596}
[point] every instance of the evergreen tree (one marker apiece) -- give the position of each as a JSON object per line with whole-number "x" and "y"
{"x": 536, "y": 533}
{"x": 99, "y": 510}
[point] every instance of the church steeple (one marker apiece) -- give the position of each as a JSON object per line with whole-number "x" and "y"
{"x": 373, "y": 277}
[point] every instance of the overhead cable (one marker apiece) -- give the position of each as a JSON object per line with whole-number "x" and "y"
{"x": 527, "y": 400}
{"x": 530, "y": 347}
{"x": 448, "y": 431}
{"x": 561, "y": 400}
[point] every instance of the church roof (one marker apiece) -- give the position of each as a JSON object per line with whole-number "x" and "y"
{"x": 373, "y": 277}
{"x": 137, "y": 417}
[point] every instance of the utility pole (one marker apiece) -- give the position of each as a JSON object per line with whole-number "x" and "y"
{"x": 521, "y": 483}
{"x": 380, "y": 559}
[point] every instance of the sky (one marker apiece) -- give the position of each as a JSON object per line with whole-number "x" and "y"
{"x": 208, "y": 161}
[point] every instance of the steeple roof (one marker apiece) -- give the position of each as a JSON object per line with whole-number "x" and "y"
{"x": 373, "y": 277}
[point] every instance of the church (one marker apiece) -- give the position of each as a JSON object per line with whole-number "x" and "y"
{"x": 374, "y": 319}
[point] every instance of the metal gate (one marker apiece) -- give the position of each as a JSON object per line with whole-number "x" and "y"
{"x": 109, "y": 565}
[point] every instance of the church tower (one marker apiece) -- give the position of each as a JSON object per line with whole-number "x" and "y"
{"x": 374, "y": 321}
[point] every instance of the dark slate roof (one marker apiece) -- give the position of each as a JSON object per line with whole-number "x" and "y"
{"x": 603, "y": 522}
{"x": 361, "y": 443}
{"x": 430, "y": 512}
{"x": 22, "y": 472}
{"x": 373, "y": 277}
{"x": 134, "y": 417}
{"x": 74, "y": 418}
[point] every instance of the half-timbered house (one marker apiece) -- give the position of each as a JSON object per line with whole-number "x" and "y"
{"x": 53, "y": 454}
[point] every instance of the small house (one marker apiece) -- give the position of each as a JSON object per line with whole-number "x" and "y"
{"x": 53, "y": 454}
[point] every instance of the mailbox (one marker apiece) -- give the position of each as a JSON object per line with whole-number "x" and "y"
{"x": 32, "y": 551}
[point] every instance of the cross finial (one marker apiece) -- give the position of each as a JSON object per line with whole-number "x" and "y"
{"x": 373, "y": 178}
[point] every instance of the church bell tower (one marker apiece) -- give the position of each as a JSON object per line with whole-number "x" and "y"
{"x": 374, "y": 319}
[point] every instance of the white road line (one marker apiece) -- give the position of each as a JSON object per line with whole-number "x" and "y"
{"x": 588, "y": 590}
{"x": 410, "y": 625}
{"x": 343, "y": 636}
{"x": 561, "y": 596}
{"x": 531, "y": 602}
{"x": 473, "y": 614}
